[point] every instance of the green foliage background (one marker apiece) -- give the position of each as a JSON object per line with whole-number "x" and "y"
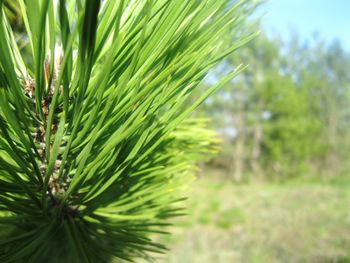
{"x": 289, "y": 110}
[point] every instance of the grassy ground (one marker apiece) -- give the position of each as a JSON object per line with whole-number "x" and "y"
{"x": 266, "y": 222}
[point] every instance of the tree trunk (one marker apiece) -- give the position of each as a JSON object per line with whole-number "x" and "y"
{"x": 257, "y": 138}
{"x": 239, "y": 150}
{"x": 256, "y": 151}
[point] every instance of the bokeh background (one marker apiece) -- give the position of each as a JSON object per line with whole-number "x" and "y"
{"x": 279, "y": 189}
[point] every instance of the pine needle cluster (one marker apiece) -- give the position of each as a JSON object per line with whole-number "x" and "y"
{"x": 96, "y": 136}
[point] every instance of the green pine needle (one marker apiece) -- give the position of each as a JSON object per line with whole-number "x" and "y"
{"x": 96, "y": 140}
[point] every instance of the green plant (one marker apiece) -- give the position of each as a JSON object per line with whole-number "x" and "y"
{"x": 96, "y": 142}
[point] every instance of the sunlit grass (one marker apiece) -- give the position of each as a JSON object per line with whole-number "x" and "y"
{"x": 266, "y": 222}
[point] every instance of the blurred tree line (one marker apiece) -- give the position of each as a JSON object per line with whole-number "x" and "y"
{"x": 287, "y": 114}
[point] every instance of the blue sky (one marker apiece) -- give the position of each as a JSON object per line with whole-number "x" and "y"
{"x": 330, "y": 18}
